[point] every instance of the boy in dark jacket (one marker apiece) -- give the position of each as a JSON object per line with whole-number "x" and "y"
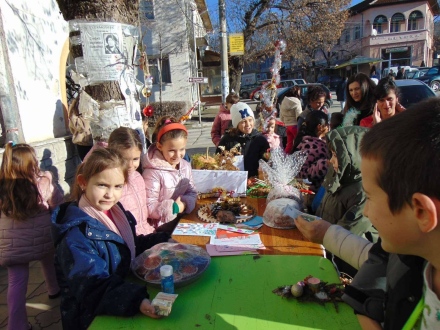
{"x": 395, "y": 288}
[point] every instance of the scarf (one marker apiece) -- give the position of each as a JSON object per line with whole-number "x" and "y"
{"x": 120, "y": 225}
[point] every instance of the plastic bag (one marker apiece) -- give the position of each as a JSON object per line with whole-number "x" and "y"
{"x": 280, "y": 172}
{"x": 188, "y": 261}
{"x": 274, "y": 216}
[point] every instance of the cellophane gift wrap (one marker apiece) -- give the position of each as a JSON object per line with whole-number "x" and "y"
{"x": 280, "y": 172}
{"x": 275, "y": 214}
{"x": 188, "y": 262}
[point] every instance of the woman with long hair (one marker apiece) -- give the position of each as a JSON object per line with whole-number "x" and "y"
{"x": 360, "y": 99}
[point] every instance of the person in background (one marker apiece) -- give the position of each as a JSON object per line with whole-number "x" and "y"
{"x": 373, "y": 73}
{"x": 253, "y": 145}
{"x": 290, "y": 110}
{"x": 273, "y": 138}
{"x": 315, "y": 102}
{"x": 27, "y": 198}
{"x": 360, "y": 99}
{"x": 168, "y": 178}
{"x": 311, "y": 140}
{"x": 95, "y": 243}
{"x": 387, "y": 105}
{"x": 223, "y": 119}
{"x": 400, "y": 72}
{"x": 341, "y": 93}
{"x": 336, "y": 120}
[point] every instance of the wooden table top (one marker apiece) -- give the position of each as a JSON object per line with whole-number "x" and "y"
{"x": 277, "y": 241}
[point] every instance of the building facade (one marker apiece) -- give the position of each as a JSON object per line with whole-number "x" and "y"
{"x": 400, "y": 33}
{"x": 175, "y": 37}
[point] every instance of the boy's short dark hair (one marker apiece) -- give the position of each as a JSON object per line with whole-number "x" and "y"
{"x": 408, "y": 147}
{"x": 384, "y": 87}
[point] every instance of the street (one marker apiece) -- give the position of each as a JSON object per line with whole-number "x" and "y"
{"x": 199, "y": 136}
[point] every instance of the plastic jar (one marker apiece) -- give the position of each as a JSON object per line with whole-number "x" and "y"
{"x": 167, "y": 279}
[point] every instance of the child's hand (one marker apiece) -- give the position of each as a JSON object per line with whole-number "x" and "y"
{"x": 376, "y": 115}
{"x": 180, "y": 204}
{"x": 148, "y": 309}
{"x": 314, "y": 231}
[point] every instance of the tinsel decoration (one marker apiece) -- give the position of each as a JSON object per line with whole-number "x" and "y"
{"x": 269, "y": 89}
{"x": 350, "y": 117}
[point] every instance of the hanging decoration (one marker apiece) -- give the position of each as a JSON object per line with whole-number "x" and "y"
{"x": 188, "y": 115}
{"x": 148, "y": 79}
{"x": 269, "y": 89}
{"x": 148, "y": 111}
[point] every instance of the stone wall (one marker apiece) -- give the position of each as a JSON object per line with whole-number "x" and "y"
{"x": 59, "y": 156}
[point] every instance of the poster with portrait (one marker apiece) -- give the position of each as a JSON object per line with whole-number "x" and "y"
{"x": 108, "y": 49}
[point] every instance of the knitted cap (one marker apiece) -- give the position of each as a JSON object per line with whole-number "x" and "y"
{"x": 240, "y": 111}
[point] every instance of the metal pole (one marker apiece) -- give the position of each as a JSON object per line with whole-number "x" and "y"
{"x": 224, "y": 50}
{"x": 196, "y": 67}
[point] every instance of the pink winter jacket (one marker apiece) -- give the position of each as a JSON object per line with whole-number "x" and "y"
{"x": 27, "y": 240}
{"x": 221, "y": 123}
{"x": 164, "y": 184}
{"x": 133, "y": 200}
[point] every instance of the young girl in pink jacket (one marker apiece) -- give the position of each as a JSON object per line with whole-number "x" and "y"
{"x": 27, "y": 198}
{"x": 128, "y": 143}
{"x": 168, "y": 178}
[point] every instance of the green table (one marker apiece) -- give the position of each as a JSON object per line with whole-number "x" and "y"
{"x": 235, "y": 292}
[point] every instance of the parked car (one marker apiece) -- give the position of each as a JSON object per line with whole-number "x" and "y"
{"x": 304, "y": 88}
{"x": 245, "y": 91}
{"x": 432, "y": 78}
{"x": 331, "y": 81}
{"x": 300, "y": 81}
{"x": 415, "y": 74}
{"x": 283, "y": 83}
{"x": 395, "y": 69}
{"x": 413, "y": 91}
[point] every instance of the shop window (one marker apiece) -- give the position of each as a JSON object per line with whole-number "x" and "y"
{"x": 153, "y": 65}
{"x": 415, "y": 20}
{"x": 396, "y": 22}
{"x": 379, "y": 23}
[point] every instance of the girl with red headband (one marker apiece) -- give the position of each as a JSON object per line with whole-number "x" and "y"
{"x": 168, "y": 178}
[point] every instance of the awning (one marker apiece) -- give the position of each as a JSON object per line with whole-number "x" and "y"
{"x": 358, "y": 60}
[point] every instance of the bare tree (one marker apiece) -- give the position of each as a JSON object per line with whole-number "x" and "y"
{"x": 121, "y": 11}
{"x": 307, "y": 26}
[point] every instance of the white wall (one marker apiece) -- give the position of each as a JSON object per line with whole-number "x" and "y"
{"x": 173, "y": 22}
{"x": 35, "y": 33}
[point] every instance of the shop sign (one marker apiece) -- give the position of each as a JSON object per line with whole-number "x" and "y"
{"x": 396, "y": 50}
{"x": 236, "y": 44}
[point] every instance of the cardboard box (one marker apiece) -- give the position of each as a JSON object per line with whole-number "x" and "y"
{"x": 206, "y": 180}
